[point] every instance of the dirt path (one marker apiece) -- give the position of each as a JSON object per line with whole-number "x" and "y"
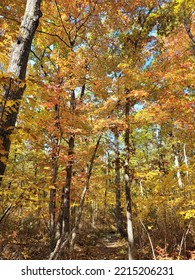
{"x": 106, "y": 247}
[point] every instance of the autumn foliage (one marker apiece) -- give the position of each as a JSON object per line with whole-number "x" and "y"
{"x": 103, "y": 137}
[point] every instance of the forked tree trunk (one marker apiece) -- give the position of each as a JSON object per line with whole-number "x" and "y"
{"x": 65, "y": 238}
{"x": 13, "y": 91}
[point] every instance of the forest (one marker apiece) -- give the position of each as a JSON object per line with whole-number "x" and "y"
{"x": 97, "y": 129}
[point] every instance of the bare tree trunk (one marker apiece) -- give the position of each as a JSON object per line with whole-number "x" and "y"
{"x": 128, "y": 176}
{"x": 177, "y": 165}
{"x": 63, "y": 224}
{"x": 186, "y": 162}
{"x": 55, "y": 156}
{"x": 149, "y": 238}
{"x": 52, "y": 206}
{"x": 66, "y": 194}
{"x": 13, "y": 91}
{"x": 108, "y": 181}
{"x": 94, "y": 206}
{"x": 119, "y": 220}
{"x": 161, "y": 155}
{"x": 141, "y": 188}
{"x": 82, "y": 200}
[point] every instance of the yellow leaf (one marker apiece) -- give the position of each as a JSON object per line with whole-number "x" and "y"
{"x": 3, "y": 159}
{"x": 46, "y": 168}
{"x": 10, "y": 103}
{"x": 149, "y": 227}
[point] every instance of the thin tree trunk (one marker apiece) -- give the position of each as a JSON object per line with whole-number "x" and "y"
{"x": 184, "y": 238}
{"x": 128, "y": 176}
{"x": 107, "y": 186}
{"x": 141, "y": 188}
{"x": 66, "y": 194}
{"x": 119, "y": 221}
{"x": 149, "y": 238}
{"x": 165, "y": 224}
{"x": 65, "y": 238}
{"x": 105, "y": 207}
{"x": 94, "y": 205}
{"x": 161, "y": 155}
{"x": 5, "y": 213}
{"x": 57, "y": 137}
{"x": 177, "y": 165}
{"x": 82, "y": 200}
{"x": 62, "y": 234}
{"x": 186, "y": 162}
{"x": 13, "y": 91}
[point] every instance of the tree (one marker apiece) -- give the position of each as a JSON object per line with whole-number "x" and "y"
{"x": 15, "y": 86}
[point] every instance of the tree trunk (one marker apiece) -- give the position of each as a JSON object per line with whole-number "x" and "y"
{"x": 128, "y": 176}
{"x": 64, "y": 239}
{"x": 13, "y": 92}
{"x": 186, "y": 162}
{"x": 161, "y": 155}
{"x": 177, "y": 165}
{"x": 119, "y": 220}
{"x": 66, "y": 194}
{"x": 62, "y": 228}
{"x": 55, "y": 157}
{"x": 108, "y": 183}
{"x": 82, "y": 200}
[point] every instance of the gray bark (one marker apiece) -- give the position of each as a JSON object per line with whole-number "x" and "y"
{"x": 177, "y": 165}
{"x": 13, "y": 91}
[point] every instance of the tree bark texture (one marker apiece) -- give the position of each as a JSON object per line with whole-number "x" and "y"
{"x": 13, "y": 91}
{"x": 128, "y": 180}
{"x": 119, "y": 220}
{"x": 55, "y": 157}
{"x": 63, "y": 223}
{"x": 176, "y": 152}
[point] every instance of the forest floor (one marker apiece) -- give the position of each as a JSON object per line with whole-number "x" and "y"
{"x": 91, "y": 244}
{"x": 107, "y": 246}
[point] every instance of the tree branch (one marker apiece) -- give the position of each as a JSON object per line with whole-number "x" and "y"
{"x": 187, "y": 27}
{"x": 54, "y": 35}
{"x": 6, "y": 212}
